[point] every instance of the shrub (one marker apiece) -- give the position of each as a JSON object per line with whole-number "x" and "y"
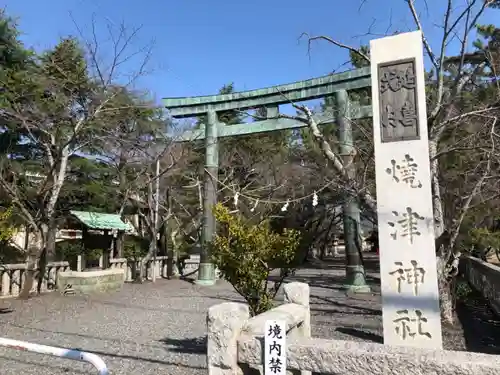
{"x": 69, "y": 250}
{"x": 8, "y": 252}
{"x": 246, "y": 254}
{"x": 135, "y": 248}
{"x": 7, "y": 230}
{"x": 482, "y": 239}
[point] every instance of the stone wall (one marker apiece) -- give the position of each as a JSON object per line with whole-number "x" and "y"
{"x": 235, "y": 346}
{"x": 348, "y": 357}
{"x": 87, "y": 282}
{"x": 484, "y": 277}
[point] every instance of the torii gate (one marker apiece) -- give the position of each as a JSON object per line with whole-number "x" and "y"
{"x": 410, "y": 302}
{"x": 270, "y": 98}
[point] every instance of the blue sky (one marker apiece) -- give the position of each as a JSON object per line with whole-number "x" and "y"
{"x": 201, "y": 45}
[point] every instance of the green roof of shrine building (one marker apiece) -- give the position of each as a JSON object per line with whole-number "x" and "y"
{"x": 97, "y": 220}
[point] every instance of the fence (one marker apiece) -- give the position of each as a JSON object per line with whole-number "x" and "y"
{"x": 72, "y": 354}
{"x": 235, "y": 346}
{"x": 484, "y": 277}
{"x": 190, "y": 266}
{"x": 13, "y": 277}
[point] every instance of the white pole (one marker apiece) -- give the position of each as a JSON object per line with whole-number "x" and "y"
{"x": 72, "y": 354}
{"x": 157, "y": 203}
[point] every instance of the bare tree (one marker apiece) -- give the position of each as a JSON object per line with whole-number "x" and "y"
{"x": 448, "y": 115}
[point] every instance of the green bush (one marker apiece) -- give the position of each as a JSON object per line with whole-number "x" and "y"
{"x": 484, "y": 238}
{"x": 462, "y": 290}
{"x": 69, "y": 249}
{"x": 93, "y": 254}
{"x": 8, "y": 252}
{"x": 7, "y": 230}
{"x": 135, "y": 248}
{"x": 246, "y": 254}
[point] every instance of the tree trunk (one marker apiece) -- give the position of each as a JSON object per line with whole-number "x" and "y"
{"x": 173, "y": 255}
{"x": 47, "y": 228}
{"x": 163, "y": 245}
{"x": 445, "y": 296}
{"x": 147, "y": 258}
{"x": 119, "y": 243}
{"x": 50, "y": 245}
{"x": 31, "y": 263}
{"x": 443, "y": 245}
{"x": 437, "y": 203}
{"x": 36, "y": 261}
{"x": 48, "y": 250}
{"x": 27, "y": 231}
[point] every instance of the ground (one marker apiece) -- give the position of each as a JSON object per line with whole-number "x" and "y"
{"x": 159, "y": 328}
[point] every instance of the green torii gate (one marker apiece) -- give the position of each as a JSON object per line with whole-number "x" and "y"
{"x": 270, "y": 98}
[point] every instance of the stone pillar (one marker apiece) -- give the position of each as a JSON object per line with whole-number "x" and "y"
{"x": 408, "y": 270}
{"x": 336, "y": 247}
{"x": 158, "y": 268}
{"x": 298, "y": 293}
{"x": 79, "y": 267}
{"x": 224, "y": 324}
{"x": 5, "y": 283}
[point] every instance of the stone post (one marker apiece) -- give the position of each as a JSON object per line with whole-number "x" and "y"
{"x": 410, "y": 311}
{"x": 299, "y": 293}
{"x": 224, "y": 324}
{"x": 79, "y": 264}
{"x": 336, "y": 247}
{"x": 5, "y": 283}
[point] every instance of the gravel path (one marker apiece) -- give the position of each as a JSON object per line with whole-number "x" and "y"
{"x": 159, "y": 328}
{"x": 143, "y": 329}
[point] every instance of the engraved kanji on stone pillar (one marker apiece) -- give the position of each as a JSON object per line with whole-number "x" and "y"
{"x": 408, "y": 270}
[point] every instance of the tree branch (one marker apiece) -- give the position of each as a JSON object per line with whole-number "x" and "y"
{"x": 334, "y": 42}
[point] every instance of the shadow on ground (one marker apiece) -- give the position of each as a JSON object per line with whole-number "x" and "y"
{"x": 195, "y": 345}
{"x": 328, "y": 294}
{"x": 359, "y": 310}
{"x": 334, "y": 283}
{"x": 370, "y": 261}
{"x": 319, "y": 276}
{"x": 481, "y": 327}
{"x": 360, "y": 334}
